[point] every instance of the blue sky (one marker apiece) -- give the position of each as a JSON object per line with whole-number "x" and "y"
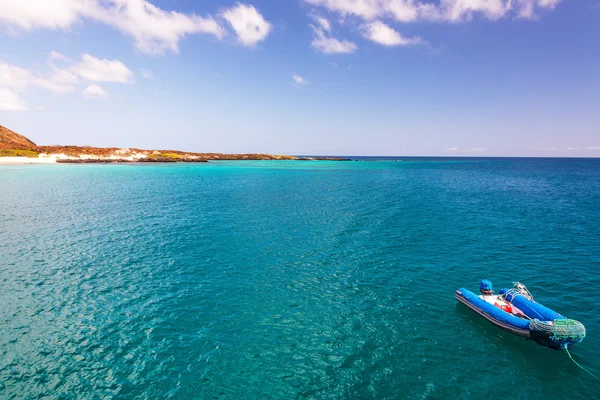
{"x": 356, "y": 77}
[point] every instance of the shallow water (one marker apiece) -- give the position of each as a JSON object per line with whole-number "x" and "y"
{"x": 292, "y": 279}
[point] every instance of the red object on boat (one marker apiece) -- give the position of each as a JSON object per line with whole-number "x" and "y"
{"x": 504, "y": 307}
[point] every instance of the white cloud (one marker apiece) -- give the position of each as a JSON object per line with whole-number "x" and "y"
{"x": 248, "y": 24}
{"x": 31, "y": 14}
{"x": 572, "y": 148}
{"x": 593, "y": 148}
{"x": 10, "y": 101}
{"x": 548, "y": 149}
{"x": 299, "y": 80}
{"x": 459, "y": 10}
{"x": 477, "y": 150}
{"x": 451, "y": 149}
{"x": 14, "y": 77}
{"x": 146, "y": 73}
{"x": 19, "y": 79}
{"x": 442, "y": 10}
{"x": 367, "y": 9}
{"x": 379, "y": 32}
{"x": 154, "y": 30}
{"x": 323, "y": 42}
{"x": 323, "y": 23}
{"x": 329, "y": 45}
{"x": 15, "y": 80}
{"x": 94, "y": 91}
{"x": 102, "y": 70}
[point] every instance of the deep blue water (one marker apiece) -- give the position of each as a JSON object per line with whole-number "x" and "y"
{"x": 280, "y": 279}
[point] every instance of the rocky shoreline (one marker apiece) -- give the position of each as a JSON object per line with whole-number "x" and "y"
{"x": 180, "y": 160}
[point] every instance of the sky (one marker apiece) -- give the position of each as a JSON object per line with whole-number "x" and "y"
{"x": 306, "y": 77}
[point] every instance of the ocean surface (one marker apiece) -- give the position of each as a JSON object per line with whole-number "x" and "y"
{"x": 293, "y": 280}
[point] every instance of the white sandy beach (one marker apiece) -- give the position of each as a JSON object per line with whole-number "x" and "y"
{"x": 52, "y": 158}
{"x": 28, "y": 160}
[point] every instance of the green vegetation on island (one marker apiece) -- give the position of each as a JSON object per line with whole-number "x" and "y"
{"x": 18, "y": 153}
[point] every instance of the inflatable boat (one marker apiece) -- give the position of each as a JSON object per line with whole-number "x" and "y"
{"x": 515, "y": 310}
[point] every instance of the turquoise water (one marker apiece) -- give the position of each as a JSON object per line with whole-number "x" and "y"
{"x": 322, "y": 280}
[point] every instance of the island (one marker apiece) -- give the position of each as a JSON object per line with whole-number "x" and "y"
{"x": 16, "y": 148}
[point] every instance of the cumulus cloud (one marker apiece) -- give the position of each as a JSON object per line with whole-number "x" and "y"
{"x": 380, "y": 33}
{"x": 299, "y": 80}
{"x": 153, "y": 29}
{"x": 249, "y": 25}
{"x": 102, "y": 70}
{"x": 31, "y": 14}
{"x": 10, "y": 101}
{"x": 94, "y": 91}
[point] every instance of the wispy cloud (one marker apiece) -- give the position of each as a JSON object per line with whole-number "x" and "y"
{"x": 593, "y": 148}
{"x": 146, "y": 73}
{"x": 55, "y": 56}
{"x": 323, "y": 40}
{"x": 60, "y": 80}
{"x": 451, "y": 149}
{"x": 299, "y": 80}
{"x": 10, "y": 101}
{"x": 17, "y": 78}
{"x": 444, "y": 11}
{"x": 381, "y": 33}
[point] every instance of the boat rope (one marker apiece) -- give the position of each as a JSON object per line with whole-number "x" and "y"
{"x": 579, "y": 365}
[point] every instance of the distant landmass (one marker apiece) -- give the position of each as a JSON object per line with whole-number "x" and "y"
{"x": 16, "y": 148}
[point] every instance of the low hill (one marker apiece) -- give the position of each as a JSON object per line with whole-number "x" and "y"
{"x": 12, "y": 140}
